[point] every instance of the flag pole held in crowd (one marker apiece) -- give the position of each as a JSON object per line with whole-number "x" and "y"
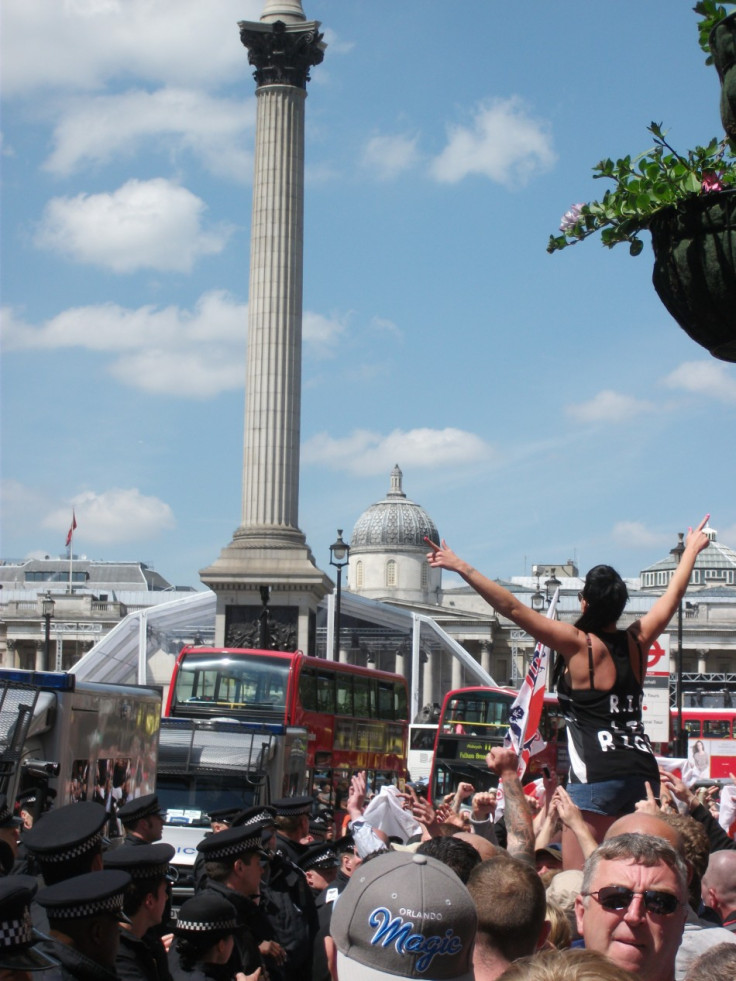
{"x": 526, "y": 712}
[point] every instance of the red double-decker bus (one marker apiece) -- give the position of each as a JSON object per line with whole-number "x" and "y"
{"x": 355, "y": 717}
{"x": 472, "y": 722}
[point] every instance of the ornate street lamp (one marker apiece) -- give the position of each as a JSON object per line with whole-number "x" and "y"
{"x": 339, "y": 557}
{"x": 551, "y": 585}
{"x": 681, "y": 733}
{"x": 47, "y": 612}
{"x": 538, "y": 595}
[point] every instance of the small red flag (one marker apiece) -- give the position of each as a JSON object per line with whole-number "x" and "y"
{"x": 71, "y": 529}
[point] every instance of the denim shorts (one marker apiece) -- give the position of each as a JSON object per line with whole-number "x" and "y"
{"x": 610, "y": 797}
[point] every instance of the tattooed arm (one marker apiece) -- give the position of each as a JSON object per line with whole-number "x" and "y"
{"x": 517, "y": 816}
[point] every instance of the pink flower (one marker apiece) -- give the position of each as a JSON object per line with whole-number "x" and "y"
{"x": 711, "y": 182}
{"x": 571, "y": 218}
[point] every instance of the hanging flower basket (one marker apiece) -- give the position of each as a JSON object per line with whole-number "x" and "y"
{"x": 722, "y": 44}
{"x": 694, "y": 274}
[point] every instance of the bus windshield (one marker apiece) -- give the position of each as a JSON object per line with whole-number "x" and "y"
{"x": 248, "y": 682}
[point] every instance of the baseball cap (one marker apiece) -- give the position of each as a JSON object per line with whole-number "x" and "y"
{"x": 404, "y": 915}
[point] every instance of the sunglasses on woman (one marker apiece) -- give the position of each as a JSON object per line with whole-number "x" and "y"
{"x": 619, "y": 898}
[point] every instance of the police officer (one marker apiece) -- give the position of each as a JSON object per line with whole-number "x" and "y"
{"x": 17, "y": 936}
{"x": 295, "y": 920}
{"x": 143, "y": 820}
{"x": 233, "y": 867}
{"x": 142, "y": 954}
{"x": 83, "y": 915}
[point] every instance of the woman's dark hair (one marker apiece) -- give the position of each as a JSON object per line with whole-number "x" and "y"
{"x": 606, "y": 595}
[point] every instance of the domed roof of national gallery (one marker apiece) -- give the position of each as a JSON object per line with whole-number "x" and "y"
{"x": 715, "y": 566}
{"x": 393, "y": 523}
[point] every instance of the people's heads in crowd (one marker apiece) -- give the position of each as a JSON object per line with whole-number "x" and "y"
{"x": 223, "y": 817}
{"x": 560, "y": 932}
{"x": 460, "y": 856}
{"x": 695, "y": 850}
{"x": 143, "y": 817}
{"x": 716, "y": 964}
{"x": 404, "y": 915}
{"x": 563, "y": 890}
{"x": 633, "y": 904}
{"x": 548, "y": 859}
{"x": 234, "y": 857}
{"x": 566, "y": 965}
{"x": 67, "y": 841}
{"x": 719, "y": 882}
{"x": 482, "y": 845}
{"x": 148, "y": 866}
{"x": 204, "y": 930}
{"x": 17, "y": 936}
{"x": 511, "y": 904}
{"x": 320, "y": 863}
{"x": 85, "y": 912}
{"x": 641, "y": 823}
{"x": 292, "y": 816}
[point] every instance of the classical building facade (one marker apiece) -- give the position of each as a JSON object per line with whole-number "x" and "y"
{"x": 53, "y": 610}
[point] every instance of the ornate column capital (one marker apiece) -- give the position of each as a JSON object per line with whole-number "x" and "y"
{"x": 282, "y": 54}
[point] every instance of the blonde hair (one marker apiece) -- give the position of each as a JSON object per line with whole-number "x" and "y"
{"x": 566, "y": 965}
{"x": 560, "y": 933}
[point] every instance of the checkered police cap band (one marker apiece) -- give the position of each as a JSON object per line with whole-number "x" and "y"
{"x": 66, "y": 854}
{"x": 233, "y": 848}
{"x": 93, "y": 907}
{"x": 147, "y": 871}
{"x": 17, "y": 932}
{"x": 262, "y": 817}
{"x": 206, "y": 926}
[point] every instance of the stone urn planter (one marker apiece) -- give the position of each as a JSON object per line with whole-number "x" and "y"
{"x": 694, "y": 274}
{"x": 722, "y": 42}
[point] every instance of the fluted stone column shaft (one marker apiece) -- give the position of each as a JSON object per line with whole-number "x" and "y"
{"x": 273, "y": 377}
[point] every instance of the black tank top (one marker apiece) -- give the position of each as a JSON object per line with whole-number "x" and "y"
{"x": 605, "y": 733}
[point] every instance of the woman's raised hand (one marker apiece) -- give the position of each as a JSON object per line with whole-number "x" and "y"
{"x": 697, "y": 538}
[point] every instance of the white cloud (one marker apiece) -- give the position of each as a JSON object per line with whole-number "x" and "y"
{"x": 321, "y": 333}
{"x": 634, "y": 534}
{"x": 153, "y": 224}
{"x": 195, "y": 353}
{"x": 172, "y": 120}
{"x": 502, "y": 142}
{"x": 112, "y": 517}
{"x": 365, "y": 453}
{"x": 710, "y": 378}
{"x": 385, "y": 157}
{"x": 608, "y": 406}
{"x": 83, "y": 44}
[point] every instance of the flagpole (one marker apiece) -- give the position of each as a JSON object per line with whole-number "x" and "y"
{"x": 70, "y": 546}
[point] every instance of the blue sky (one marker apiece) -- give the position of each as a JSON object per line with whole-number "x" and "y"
{"x": 541, "y": 407}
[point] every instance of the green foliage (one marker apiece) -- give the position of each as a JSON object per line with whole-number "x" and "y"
{"x": 644, "y": 186}
{"x": 710, "y": 14}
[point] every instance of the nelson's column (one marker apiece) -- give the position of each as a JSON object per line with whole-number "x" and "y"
{"x": 266, "y": 581}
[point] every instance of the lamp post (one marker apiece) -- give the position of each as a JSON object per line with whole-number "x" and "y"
{"x": 551, "y": 585}
{"x": 47, "y": 611}
{"x": 339, "y": 557}
{"x": 681, "y": 742}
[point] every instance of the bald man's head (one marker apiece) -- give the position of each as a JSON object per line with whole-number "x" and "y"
{"x": 719, "y": 882}
{"x": 647, "y": 824}
{"x": 484, "y": 848}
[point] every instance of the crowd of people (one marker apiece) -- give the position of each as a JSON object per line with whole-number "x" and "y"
{"x": 471, "y": 888}
{"x": 623, "y": 873}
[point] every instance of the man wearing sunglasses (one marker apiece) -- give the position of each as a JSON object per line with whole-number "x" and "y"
{"x": 633, "y": 903}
